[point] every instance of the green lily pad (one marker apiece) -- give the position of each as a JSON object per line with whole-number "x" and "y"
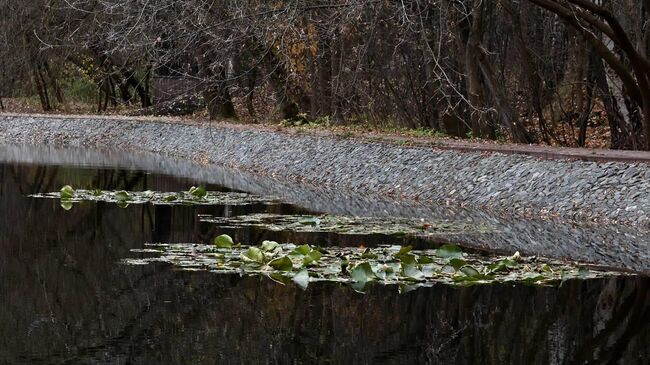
{"x": 449, "y": 251}
{"x": 302, "y": 279}
{"x": 282, "y": 264}
{"x": 223, "y": 241}
{"x": 362, "y": 272}
{"x": 412, "y": 272}
{"x": 253, "y": 254}
{"x": 347, "y": 225}
{"x": 269, "y": 246}
{"x": 198, "y": 192}
{"x": 122, "y": 196}
{"x": 195, "y": 196}
{"x": 391, "y": 265}
{"x": 67, "y": 192}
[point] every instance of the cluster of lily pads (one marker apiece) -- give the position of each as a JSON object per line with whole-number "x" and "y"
{"x": 360, "y": 267}
{"x": 194, "y": 196}
{"x": 344, "y": 224}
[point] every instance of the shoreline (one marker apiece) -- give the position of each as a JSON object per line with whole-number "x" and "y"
{"x": 519, "y": 185}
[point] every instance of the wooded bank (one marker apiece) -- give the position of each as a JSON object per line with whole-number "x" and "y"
{"x": 532, "y": 71}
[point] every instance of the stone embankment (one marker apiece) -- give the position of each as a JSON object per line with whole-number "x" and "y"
{"x": 513, "y": 184}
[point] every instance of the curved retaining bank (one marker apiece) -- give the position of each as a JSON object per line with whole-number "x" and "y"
{"x": 619, "y": 246}
{"x": 514, "y": 184}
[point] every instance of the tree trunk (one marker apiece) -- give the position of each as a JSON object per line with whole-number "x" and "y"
{"x": 58, "y": 93}
{"x": 216, "y": 94}
{"x": 288, "y": 96}
{"x": 138, "y": 85}
{"x": 504, "y": 109}
{"x": 321, "y": 88}
{"x": 474, "y": 29}
{"x": 625, "y": 109}
{"x": 219, "y": 102}
{"x": 41, "y": 87}
{"x": 617, "y": 126}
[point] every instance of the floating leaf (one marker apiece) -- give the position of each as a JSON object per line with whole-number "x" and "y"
{"x": 302, "y": 250}
{"x": 448, "y": 269}
{"x": 279, "y": 278}
{"x": 302, "y": 279}
{"x": 408, "y": 258}
{"x": 532, "y": 277}
{"x": 198, "y": 192}
{"x": 223, "y": 241}
{"x": 282, "y": 264}
{"x": 253, "y": 254}
{"x": 425, "y": 260}
{"x": 332, "y": 269}
{"x": 583, "y": 272}
{"x": 269, "y": 246}
{"x": 449, "y": 251}
{"x": 351, "y": 265}
{"x": 197, "y": 196}
{"x": 122, "y": 196}
{"x": 311, "y": 221}
{"x": 470, "y": 271}
{"x": 404, "y": 250}
{"x": 368, "y": 254}
{"x": 312, "y": 257}
{"x": 360, "y": 286}
{"x": 502, "y": 265}
{"x": 457, "y": 263}
{"x": 362, "y": 272}
{"x": 412, "y": 272}
{"x": 66, "y": 192}
{"x": 430, "y": 270}
{"x": 346, "y": 225}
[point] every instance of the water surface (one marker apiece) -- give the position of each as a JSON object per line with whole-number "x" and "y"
{"x": 64, "y": 297}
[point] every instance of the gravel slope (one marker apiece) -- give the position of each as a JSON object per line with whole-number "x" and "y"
{"x": 514, "y": 184}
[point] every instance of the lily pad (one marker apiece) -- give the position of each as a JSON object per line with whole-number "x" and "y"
{"x": 303, "y": 264}
{"x": 302, "y": 279}
{"x": 66, "y": 192}
{"x": 195, "y": 196}
{"x": 198, "y": 192}
{"x": 223, "y": 241}
{"x": 362, "y": 273}
{"x": 253, "y": 254}
{"x": 449, "y": 251}
{"x": 282, "y": 264}
{"x": 347, "y": 225}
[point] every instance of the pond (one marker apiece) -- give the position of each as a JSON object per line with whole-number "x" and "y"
{"x": 71, "y": 293}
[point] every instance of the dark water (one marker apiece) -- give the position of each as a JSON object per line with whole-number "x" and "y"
{"x": 65, "y": 299}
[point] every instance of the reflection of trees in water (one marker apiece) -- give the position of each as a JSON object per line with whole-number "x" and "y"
{"x": 205, "y": 318}
{"x": 64, "y": 299}
{"x": 62, "y": 262}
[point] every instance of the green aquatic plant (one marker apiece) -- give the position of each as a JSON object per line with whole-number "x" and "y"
{"x": 223, "y": 241}
{"x": 198, "y": 192}
{"x": 360, "y": 267}
{"x": 66, "y": 192}
{"x": 194, "y": 196}
{"x": 346, "y": 224}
